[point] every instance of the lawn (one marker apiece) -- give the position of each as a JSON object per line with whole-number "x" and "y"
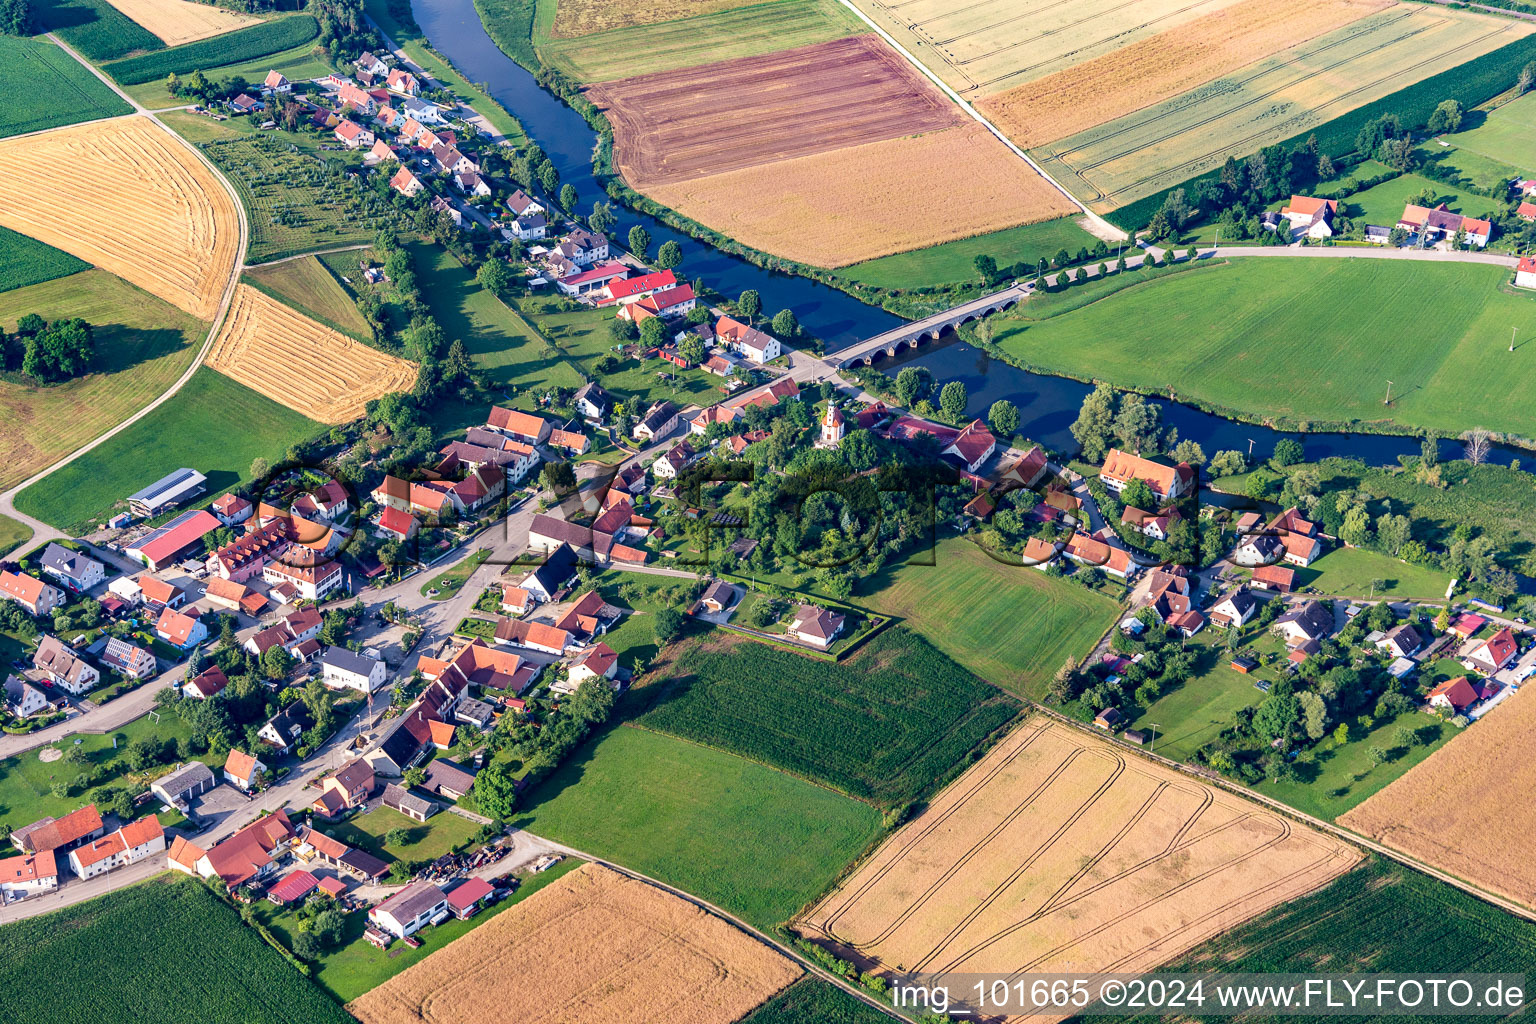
{"x": 13, "y": 534}
{"x": 46, "y": 87}
{"x": 1505, "y": 138}
{"x": 1383, "y": 204}
{"x": 1302, "y": 341}
{"x": 439, "y": 835}
{"x": 310, "y": 287}
{"x": 213, "y": 425}
{"x": 1349, "y": 572}
{"x": 813, "y": 1001}
{"x": 25, "y": 261}
{"x": 359, "y": 965}
{"x": 1190, "y": 716}
{"x": 954, "y": 262}
{"x": 633, "y": 637}
{"x": 1013, "y": 626}
{"x": 501, "y": 342}
{"x": 447, "y": 582}
{"x": 889, "y": 725}
{"x": 74, "y": 963}
{"x": 296, "y": 202}
{"x": 683, "y": 42}
{"x": 1331, "y": 780}
{"x": 298, "y": 65}
{"x": 408, "y": 37}
{"x": 1379, "y": 918}
{"x": 95, "y": 28}
{"x": 142, "y": 345}
{"x": 26, "y": 782}
{"x": 758, "y": 842}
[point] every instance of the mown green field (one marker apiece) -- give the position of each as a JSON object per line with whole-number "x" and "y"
{"x": 1505, "y": 137}
{"x": 191, "y": 959}
{"x": 13, "y": 534}
{"x": 298, "y": 64}
{"x": 1332, "y": 780}
{"x": 308, "y": 285}
{"x": 26, "y": 261}
{"x": 758, "y": 842}
{"x": 212, "y": 425}
{"x": 717, "y": 36}
{"x": 1349, "y": 572}
{"x": 1012, "y": 626}
{"x": 1309, "y": 340}
{"x": 142, "y": 345}
{"x": 813, "y": 1001}
{"x": 95, "y": 28}
{"x": 889, "y": 724}
{"x": 1379, "y": 918}
{"x": 954, "y": 262}
{"x": 1383, "y": 204}
{"x": 45, "y": 87}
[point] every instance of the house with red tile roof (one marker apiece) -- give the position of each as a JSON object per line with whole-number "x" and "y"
{"x": 632, "y": 289}
{"x": 1168, "y": 482}
{"x": 1312, "y": 216}
{"x": 248, "y": 854}
{"x": 1456, "y": 694}
{"x": 353, "y": 135}
{"x": 523, "y": 426}
{"x": 1491, "y": 655}
{"x": 537, "y": 636}
{"x": 205, "y": 684}
{"x": 60, "y": 835}
{"x": 1466, "y": 625}
{"x": 395, "y": 524}
{"x": 596, "y": 662}
{"x": 243, "y": 770}
{"x": 747, "y": 341}
{"x": 972, "y": 446}
{"x": 28, "y": 875}
{"x": 129, "y": 844}
{"x": 404, "y": 182}
{"x": 37, "y": 597}
{"x": 1440, "y": 224}
{"x": 1275, "y": 577}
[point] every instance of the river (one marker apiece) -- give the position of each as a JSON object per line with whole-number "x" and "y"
{"x": 1047, "y": 405}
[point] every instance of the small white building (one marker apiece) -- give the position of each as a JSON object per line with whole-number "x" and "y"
{"x": 28, "y": 876}
{"x": 1525, "y": 272}
{"x": 410, "y": 910}
{"x": 347, "y": 670}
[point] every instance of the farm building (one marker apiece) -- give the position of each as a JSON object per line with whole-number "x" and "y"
{"x": 410, "y": 910}
{"x": 170, "y": 490}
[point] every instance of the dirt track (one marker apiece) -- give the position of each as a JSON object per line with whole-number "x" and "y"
{"x": 1056, "y": 852}
{"x": 677, "y": 125}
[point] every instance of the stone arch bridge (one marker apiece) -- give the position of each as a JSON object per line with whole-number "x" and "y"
{"x": 913, "y": 334}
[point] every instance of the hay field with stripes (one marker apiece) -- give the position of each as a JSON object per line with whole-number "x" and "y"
{"x": 129, "y": 197}
{"x": 301, "y": 363}
{"x": 1061, "y": 852}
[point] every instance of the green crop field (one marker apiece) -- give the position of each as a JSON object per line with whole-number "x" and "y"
{"x": 244, "y": 44}
{"x": 954, "y": 262}
{"x": 1285, "y": 95}
{"x": 95, "y": 28}
{"x": 1349, "y": 572}
{"x": 1012, "y": 626}
{"x": 212, "y": 425}
{"x": 295, "y": 202}
{"x": 142, "y": 345}
{"x": 46, "y": 87}
{"x": 758, "y": 842}
{"x": 310, "y": 287}
{"x": 298, "y": 64}
{"x": 889, "y": 725}
{"x": 813, "y": 1001}
{"x": 717, "y": 36}
{"x": 26, "y": 261}
{"x": 1379, "y": 918}
{"x": 1309, "y": 340}
{"x": 60, "y": 967}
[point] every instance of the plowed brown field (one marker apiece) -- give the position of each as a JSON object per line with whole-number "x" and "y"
{"x": 594, "y": 947}
{"x": 1466, "y": 809}
{"x": 856, "y": 203}
{"x": 676, "y": 125}
{"x": 1164, "y": 65}
{"x": 300, "y": 362}
{"x": 1058, "y": 852}
{"x": 128, "y": 197}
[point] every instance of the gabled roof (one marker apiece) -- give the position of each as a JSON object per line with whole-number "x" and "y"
{"x": 1311, "y": 617}
{"x": 1458, "y": 691}
{"x": 469, "y": 892}
{"x": 817, "y": 622}
{"x": 17, "y": 870}
{"x": 22, "y": 587}
{"x": 71, "y": 828}
{"x": 512, "y": 421}
{"x": 1274, "y": 574}
{"x": 1499, "y": 648}
{"x": 242, "y": 855}
{"x": 411, "y": 902}
{"x": 175, "y": 626}
{"x": 241, "y": 765}
{"x": 1125, "y": 466}
{"x": 396, "y": 521}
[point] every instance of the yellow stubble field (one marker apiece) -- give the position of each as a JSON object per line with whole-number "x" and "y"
{"x": 182, "y": 21}
{"x": 595, "y": 947}
{"x": 301, "y": 363}
{"x": 856, "y": 203}
{"x": 1157, "y": 67}
{"x": 1059, "y": 852}
{"x": 129, "y": 197}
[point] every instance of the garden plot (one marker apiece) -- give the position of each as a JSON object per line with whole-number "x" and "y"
{"x": 1059, "y": 852}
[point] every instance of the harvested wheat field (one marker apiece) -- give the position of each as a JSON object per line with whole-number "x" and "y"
{"x": 1467, "y": 806}
{"x": 129, "y": 197}
{"x": 1164, "y": 65}
{"x": 984, "y": 46}
{"x": 854, "y": 204}
{"x": 1058, "y": 852}
{"x": 595, "y": 947}
{"x": 584, "y": 17}
{"x": 301, "y": 363}
{"x": 181, "y": 21}
{"x": 676, "y": 125}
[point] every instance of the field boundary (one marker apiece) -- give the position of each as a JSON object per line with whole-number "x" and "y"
{"x": 1106, "y": 230}
{"x": 42, "y": 531}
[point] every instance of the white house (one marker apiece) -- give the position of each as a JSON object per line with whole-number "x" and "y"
{"x": 29, "y": 875}
{"x": 410, "y": 910}
{"x": 370, "y": 64}
{"x": 1313, "y": 217}
{"x": 275, "y": 82}
{"x": 348, "y": 670}
{"x": 243, "y": 770}
{"x": 37, "y": 597}
{"x": 71, "y": 568}
{"x": 22, "y": 699}
{"x": 133, "y": 842}
{"x": 1234, "y": 609}
{"x": 1525, "y": 272}
{"x": 63, "y": 667}
{"x": 597, "y": 661}
{"x": 816, "y": 626}
{"x": 422, "y": 111}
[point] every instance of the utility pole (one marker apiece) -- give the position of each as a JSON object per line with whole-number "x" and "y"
{"x": 1388, "y": 400}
